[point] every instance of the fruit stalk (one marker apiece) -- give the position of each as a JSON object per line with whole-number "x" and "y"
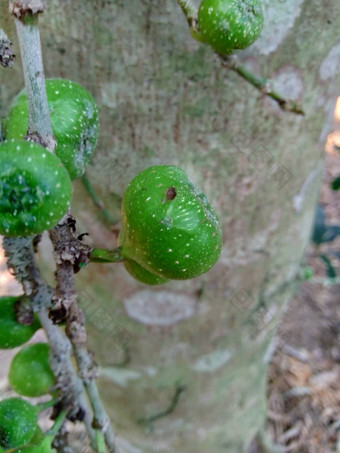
{"x": 263, "y": 84}
{"x": 190, "y": 13}
{"x": 188, "y": 9}
{"x": 97, "y": 201}
{"x": 26, "y": 15}
{"x": 57, "y": 424}
{"x": 106, "y": 256}
{"x": 100, "y": 442}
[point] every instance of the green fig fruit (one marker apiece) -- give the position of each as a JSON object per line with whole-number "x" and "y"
{"x": 74, "y": 118}
{"x": 169, "y": 228}
{"x": 230, "y": 25}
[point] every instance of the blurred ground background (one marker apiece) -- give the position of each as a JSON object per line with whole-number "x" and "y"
{"x": 304, "y": 375}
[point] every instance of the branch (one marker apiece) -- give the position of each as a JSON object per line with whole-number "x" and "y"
{"x": 26, "y": 20}
{"x": 7, "y": 57}
{"x": 263, "y": 84}
{"x": 106, "y": 256}
{"x": 66, "y": 254}
{"x": 21, "y": 260}
{"x": 58, "y": 423}
{"x": 20, "y": 251}
{"x": 70, "y": 253}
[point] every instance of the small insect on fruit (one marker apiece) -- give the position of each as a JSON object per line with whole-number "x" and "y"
{"x": 18, "y": 422}
{"x": 35, "y": 189}
{"x": 169, "y": 229}
{"x": 230, "y": 25}
{"x": 74, "y": 118}
{"x": 30, "y": 373}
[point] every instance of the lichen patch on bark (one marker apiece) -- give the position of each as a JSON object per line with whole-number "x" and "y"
{"x": 159, "y": 308}
{"x": 289, "y": 82}
{"x": 212, "y": 362}
{"x": 330, "y": 65}
{"x": 119, "y": 376}
{"x": 279, "y": 18}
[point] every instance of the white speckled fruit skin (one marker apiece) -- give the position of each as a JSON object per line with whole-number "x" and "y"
{"x": 74, "y": 118}
{"x": 230, "y": 25}
{"x": 177, "y": 238}
{"x": 35, "y": 189}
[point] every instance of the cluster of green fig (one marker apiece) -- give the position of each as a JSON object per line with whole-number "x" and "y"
{"x": 30, "y": 375}
{"x": 169, "y": 230}
{"x": 35, "y": 185}
{"x": 74, "y": 118}
{"x": 35, "y": 193}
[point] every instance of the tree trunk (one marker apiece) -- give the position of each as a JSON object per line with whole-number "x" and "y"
{"x": 183, "y": 366}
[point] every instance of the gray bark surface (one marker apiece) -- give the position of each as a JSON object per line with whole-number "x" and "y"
{"x": 164, "y": 98}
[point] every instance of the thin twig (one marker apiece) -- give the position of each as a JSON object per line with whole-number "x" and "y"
{"x": 59, "y": 421}
{"x": 26, "y": 21}
{"x": 100, "y": 441}
{"x": 21, "y": 260}
{"x": 97, "y": 201}
{"x": 190, "y": 13}
{"x": 66, "y": 254}
{"x": 45, "y": 405}
{"x": 263, "y": 84}
{"x": 189, "y": 10}
{"x": 106, "y": 256}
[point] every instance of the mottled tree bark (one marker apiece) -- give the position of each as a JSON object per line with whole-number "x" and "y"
{"x": 199, "y": 348}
